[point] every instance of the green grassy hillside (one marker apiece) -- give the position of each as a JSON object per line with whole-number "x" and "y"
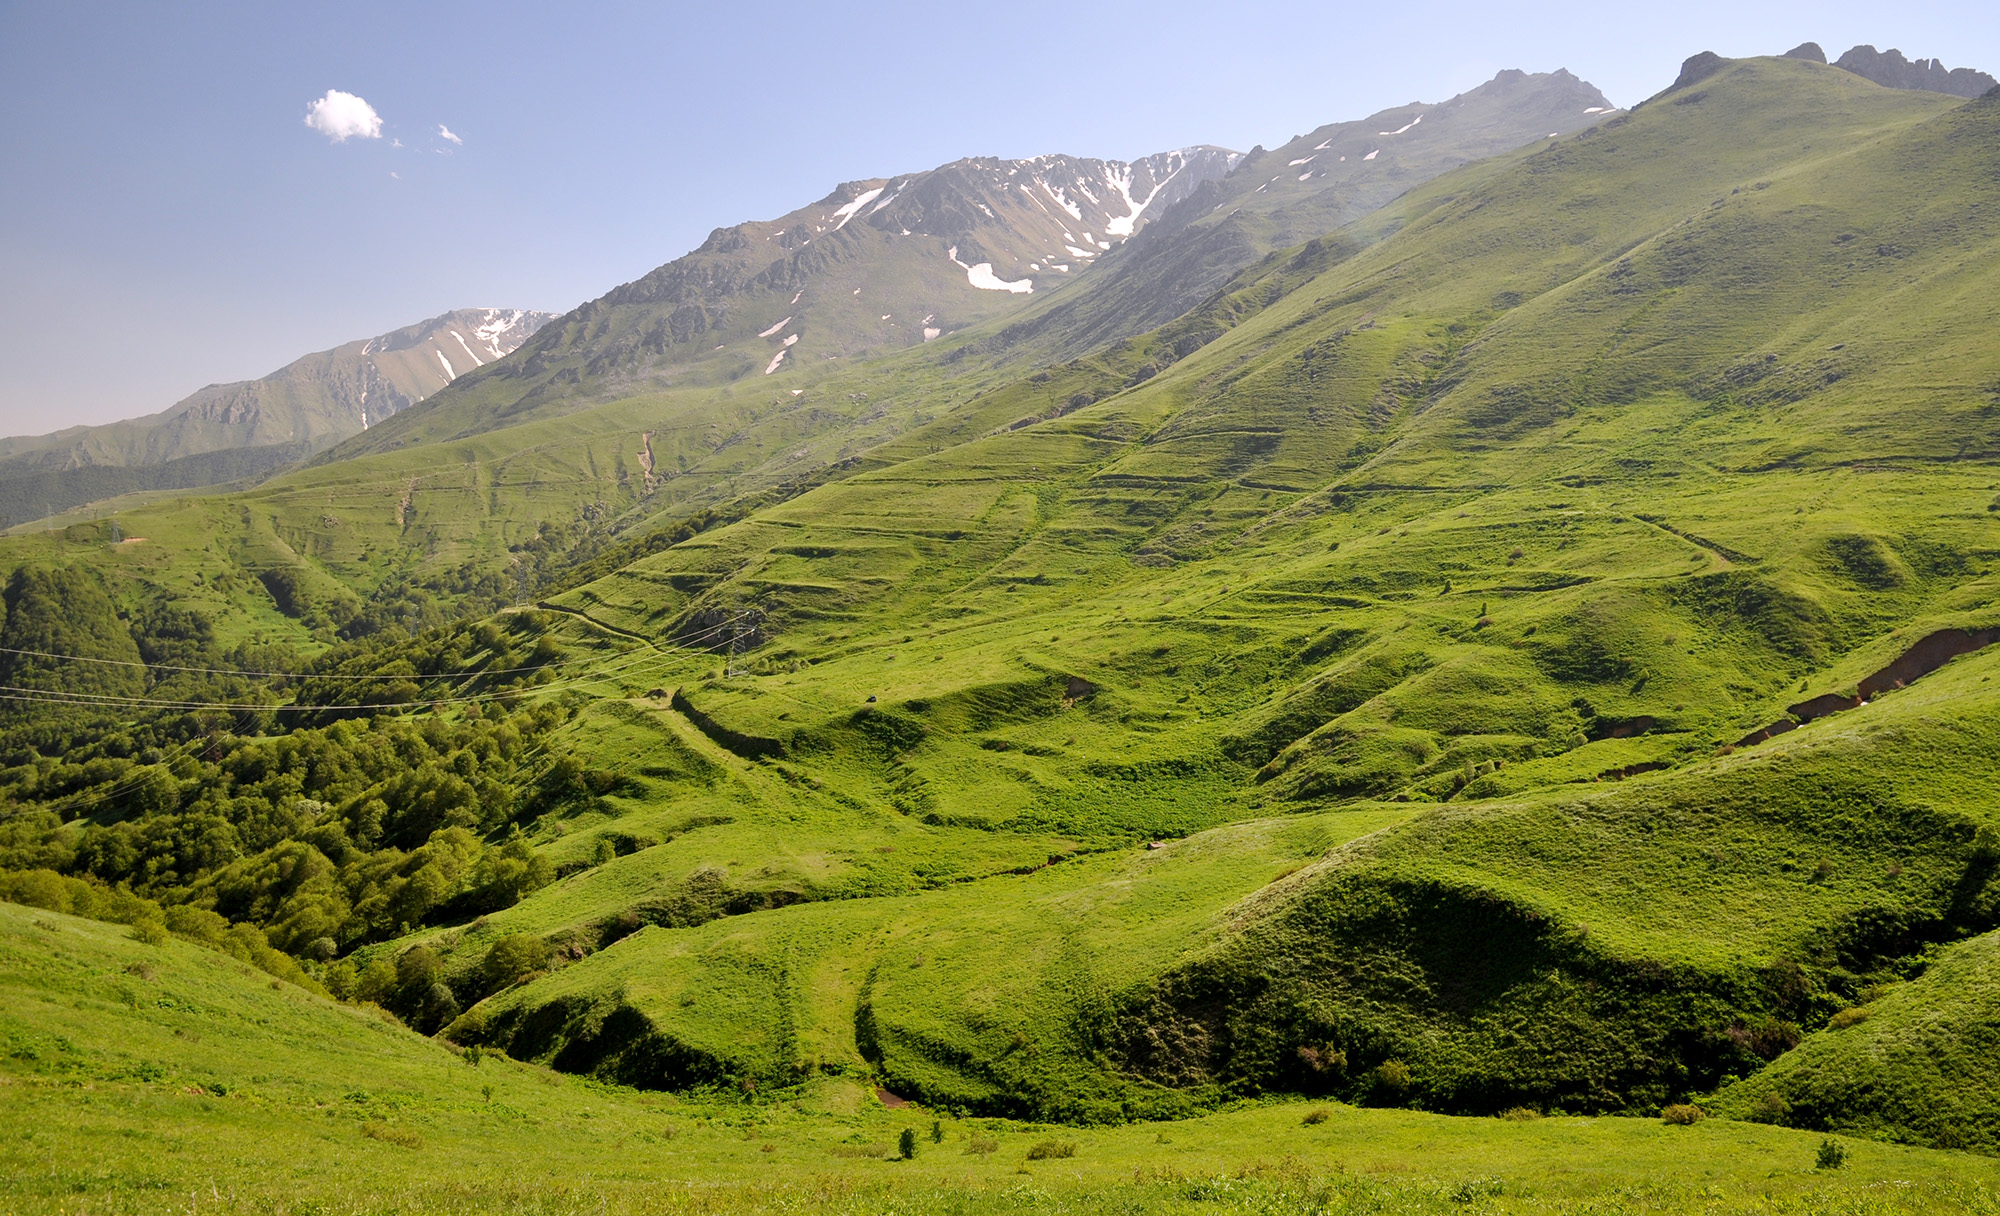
{"x": 143, "y": 1076}
{"x": 1528, "y": 649}
{"x": 1914, "y": 1063}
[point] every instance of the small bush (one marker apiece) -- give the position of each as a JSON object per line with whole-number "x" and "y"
{"x": 1770, "y": 1107}
{"x": 1853, "y": 1015}
{"x": 511, "y": 958}
{"x": 151, "y": 932}
{"x": 1317, "y": 1115}
{"x": 985, "y": 1146}
{"x": 400, "y": 1136}
{"x": 937, "y": 1131}
{"x": 1521, "y": 1114}
{"x": 1681, "y": 1115}
{"x": 1321, "y": 1059}
{"x": 1392, "y": 1077}
{"x": 1477, "y": 1189}
{"x": 876, "y": 1151}
{"x": 906, "y": 1144}
{"x": 1051, "y": 1150}
{"x": 1831, "y": 1155}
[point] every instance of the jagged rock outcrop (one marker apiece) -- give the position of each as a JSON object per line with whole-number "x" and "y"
{"x": 1891, "y": 70}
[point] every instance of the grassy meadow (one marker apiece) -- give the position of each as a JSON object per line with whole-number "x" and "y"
{"x": 147, "y": 1078}
{"x": 1489, "y": 677}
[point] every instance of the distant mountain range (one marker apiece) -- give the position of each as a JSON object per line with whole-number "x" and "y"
{"x": 226, "y": 432}
{"x": 890, "y": 263}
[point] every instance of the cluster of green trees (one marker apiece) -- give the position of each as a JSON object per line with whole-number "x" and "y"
{"x": 273, "y": 805}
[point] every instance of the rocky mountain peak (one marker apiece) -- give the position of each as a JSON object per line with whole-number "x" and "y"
{"x": 1891, "y": 70}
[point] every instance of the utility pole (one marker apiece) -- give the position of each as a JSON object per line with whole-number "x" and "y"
{"x": 735, "y": 632}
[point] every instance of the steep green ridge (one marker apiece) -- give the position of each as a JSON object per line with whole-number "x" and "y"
{"x": 229, "y": 432}
{"x": 1475, "y": 604}
{"x": 1915, "y": 1064}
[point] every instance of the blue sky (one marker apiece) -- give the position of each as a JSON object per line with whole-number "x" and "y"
{"x": 168, "y": 219}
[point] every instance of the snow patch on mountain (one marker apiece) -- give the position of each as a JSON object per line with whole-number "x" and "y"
{"x": 861, "y": 200}
{"x": 981, "y": 275}
{"x": 1062, "y": 200}
{"x": 503, "y": 329}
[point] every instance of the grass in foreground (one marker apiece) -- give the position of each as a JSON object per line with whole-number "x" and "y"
{"x": 166, "y": 1078}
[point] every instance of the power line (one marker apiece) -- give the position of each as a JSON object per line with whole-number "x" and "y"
{"x": 307, "y": 675}
{"x": 653, "y": 654}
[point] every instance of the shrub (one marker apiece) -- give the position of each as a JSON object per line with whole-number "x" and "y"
{"x": 1831, "y": 1155}
{"x": 985, "y": 1146}
{"x": 1521, "y": 1114}
{"x": 151, "y": 932}
{"x": 1853, "y": 1015}
{"x": 1770, "y": 1107}
{"x": 1047, "y": 1150}
{"x": 937, "y": 1131}
{"x": 1392, "y": 1077}
{"x": 400, "y": 1136}
{"x": 511, "y": 958}
{"x": 876, "y": 1151}
{"x": 1318, "y": 1114}
{"x": 1322, "y": 1059}
{"x": 1681, "y": 1115}
{"x": 906, "y": 1144}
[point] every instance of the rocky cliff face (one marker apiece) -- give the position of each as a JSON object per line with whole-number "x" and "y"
{"x": 1891, "y": 70}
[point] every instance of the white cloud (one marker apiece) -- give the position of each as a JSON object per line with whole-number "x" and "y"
{"x": 446, "y": 132}
{"x": 395, "y": 143}
{"x": 342, "y": 116}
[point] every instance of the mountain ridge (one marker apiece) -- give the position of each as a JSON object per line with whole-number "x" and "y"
{"x": 823, "y": 283}
{"x": 249, "y": 428}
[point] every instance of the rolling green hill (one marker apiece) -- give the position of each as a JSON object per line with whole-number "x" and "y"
{"x": 138, "y": 1075}
{"x": 1526, "y": 648}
